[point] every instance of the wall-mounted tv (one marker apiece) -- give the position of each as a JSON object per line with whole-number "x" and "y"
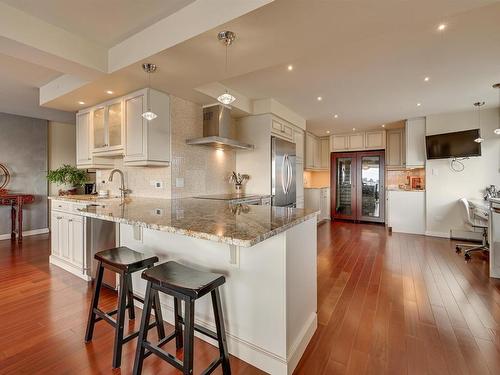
{"x": 453, "y": 145}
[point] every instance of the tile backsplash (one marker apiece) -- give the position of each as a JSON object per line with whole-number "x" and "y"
{"x": 194, "y": 170}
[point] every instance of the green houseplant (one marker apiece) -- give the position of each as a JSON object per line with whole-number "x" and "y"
{"x": 69, "y": 177}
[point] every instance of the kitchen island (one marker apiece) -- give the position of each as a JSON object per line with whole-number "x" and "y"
{"x": 268, "y": 255}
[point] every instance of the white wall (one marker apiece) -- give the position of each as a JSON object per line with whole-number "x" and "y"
{"x": 62, "y": 148}
{"x": 444, "y": 186}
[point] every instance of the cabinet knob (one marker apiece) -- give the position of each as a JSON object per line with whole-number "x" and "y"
{"x": 70, "y": 220}
{"x": 58, "y": 217}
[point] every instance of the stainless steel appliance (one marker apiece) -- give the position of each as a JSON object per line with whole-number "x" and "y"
{"x": 283, "y": 173}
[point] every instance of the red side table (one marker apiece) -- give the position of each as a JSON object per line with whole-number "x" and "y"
{"x": 16, "y": 201}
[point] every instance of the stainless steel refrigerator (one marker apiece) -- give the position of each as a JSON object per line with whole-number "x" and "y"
{"x": 283, "y": 170}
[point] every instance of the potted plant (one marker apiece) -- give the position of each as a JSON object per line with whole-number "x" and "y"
{"x": 68, "y": 177}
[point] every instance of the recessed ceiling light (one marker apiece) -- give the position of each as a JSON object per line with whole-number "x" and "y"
{"x": 383, "y": 125}
{"x": 290, "y": 67}
{"x": 81, "y": 102}
{"x": 109, "y": 92}
{"x": 419, "y": 104}
{"x": 328, "y": 132}
{"x": 320, "y": 98}
{"x": 441, "y": 27}
{"x": 353, "y": 129}
{"x": 426, "y": 79}
{"x": 335, "y": 116}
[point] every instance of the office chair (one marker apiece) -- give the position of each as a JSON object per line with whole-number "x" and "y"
{"x": 474, "y": 223}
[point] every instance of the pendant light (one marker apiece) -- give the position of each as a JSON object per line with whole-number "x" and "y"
{"x": 227, "y": 38}
{"x": 149, "y": 69}
{"x": 478, "y": 105}
{"x": 497, "y": 130}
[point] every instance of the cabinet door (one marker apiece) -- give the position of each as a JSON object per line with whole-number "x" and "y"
{"x": 356, "y": 141}
{"x": 135, "y": 127}
{"x": 63, "y": 229}
{"x": 325, "y": 153}
{"x": 114, "y": 122}
{"x": 395, "y": 147}
{"x": 309, "y": 151}
{"x": 76, "y": 240}
{"x": 299, "y": 181}
{"x": 317, "y": 153}
{"x": 55, "y": 244}
{"x": 339, "y": 143}
{"x": 82, "y": 138}
{"x": 99, "y": 128}
{"x": 375, "y": 140}
{"x": 298, "y": 138}
{"x": 344, "y": 186}
{"x": 415, "y": 142}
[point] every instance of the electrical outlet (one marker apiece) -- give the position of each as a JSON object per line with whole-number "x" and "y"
{"x": 157, "y": 184}
{"x": 179, "y": 182}
{"x": 158, "y": 211}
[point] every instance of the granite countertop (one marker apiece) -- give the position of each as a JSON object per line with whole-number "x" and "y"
{"x": 234, "y": 224}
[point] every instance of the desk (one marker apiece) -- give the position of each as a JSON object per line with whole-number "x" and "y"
{"x": 16, "y": 201}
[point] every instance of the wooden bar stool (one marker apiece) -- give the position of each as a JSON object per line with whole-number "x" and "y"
{"x": 123, "y": 261}
{"x": 184, "y": 284}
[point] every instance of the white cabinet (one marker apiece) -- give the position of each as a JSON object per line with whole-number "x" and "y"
{"x": 406, "y": 211}
{"x": 147, "y": 142}
{"x": 281, "y": 129}
{"x": 299, "y": 184}
{"x": 395, "y": 151}
{"x": 415, "y": 142}
{"x": 318, "y": 199}
{"x": 85, "y": 158}
{"x": 108, "y": 130}
{"x": 370, "y": 140}
{"x": 317, "y": 152}
{"x": 298, "y": 139}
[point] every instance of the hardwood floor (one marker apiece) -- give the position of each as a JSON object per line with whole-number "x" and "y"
{"x": 386, "y": 304}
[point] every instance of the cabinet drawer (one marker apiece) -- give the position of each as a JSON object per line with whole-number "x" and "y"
{"x": 62, "y": 206}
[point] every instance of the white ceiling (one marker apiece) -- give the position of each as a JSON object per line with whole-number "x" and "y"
{"x": 105, "y": 22}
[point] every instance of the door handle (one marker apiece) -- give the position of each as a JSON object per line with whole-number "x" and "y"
{"x": 283, "y": 174}
{"x": 290, "y": 174}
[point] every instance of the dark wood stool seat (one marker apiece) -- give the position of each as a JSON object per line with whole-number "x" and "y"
{"x": 124, "y": 262}
{"x": 184, "y": 284}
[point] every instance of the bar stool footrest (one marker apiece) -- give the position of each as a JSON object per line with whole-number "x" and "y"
{"x": 201, "y": 329}
{"x": 136, "y": 333}
{"x": 173, "y": 360}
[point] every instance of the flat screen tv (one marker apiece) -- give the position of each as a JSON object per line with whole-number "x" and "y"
{"x": 453, "y": 145}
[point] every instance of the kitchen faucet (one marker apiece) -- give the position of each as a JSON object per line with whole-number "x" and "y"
{"x": 123, "y": 191}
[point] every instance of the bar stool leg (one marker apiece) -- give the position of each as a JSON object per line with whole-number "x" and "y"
{"x": 158, "y": 315}
{"x": 130, "y": 296}
{"x": 221, "y": 331}
{"x": 95, "y": 302}
{"x": 120, "y": 321}
{"x": 178, "y": 324}
{"x": 143, "y": 331}
{"x": 188, "y": 337}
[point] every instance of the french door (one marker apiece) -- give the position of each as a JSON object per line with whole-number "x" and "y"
{"x": 357, "y": 186}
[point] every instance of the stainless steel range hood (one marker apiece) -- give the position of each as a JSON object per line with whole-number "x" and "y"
{"x": 217, "y": 130}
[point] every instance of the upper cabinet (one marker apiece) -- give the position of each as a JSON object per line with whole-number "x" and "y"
{"x": 147, "y": 142}
{"x": 85, "y": 157}
{"x": 282, "y": 129}
{"x": 108, "y": 128}
{"x": 415, "y": 142}
{"x": 317, "y": 152}
{"x": 117, "y": 128}
{"x": 406, "y": 146}
{"x": 371, "y": 140}
{"x": 298, "y": 139}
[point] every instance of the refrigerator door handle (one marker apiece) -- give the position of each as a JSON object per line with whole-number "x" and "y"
{"x": 290, "y": 174}
{"x": 283, "y": 187}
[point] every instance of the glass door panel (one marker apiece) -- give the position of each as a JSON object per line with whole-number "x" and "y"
{"x": 345, "y": 186}
{"x": 371, "y": 189}
{"x": 115, "y": 124}
{"x": 99, "y": 131}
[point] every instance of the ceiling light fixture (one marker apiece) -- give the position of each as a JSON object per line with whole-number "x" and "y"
{"x": 383, "y": 125}
{"x": 426, "y": 79}
{"x": 478, "y": 105}
{"x": 109, "y": 92}
{"x": 149, "y": 69}
{"x": 227, "y": 38}
{"x": 497, "y": 130}
{"x": 328, "y": 132}
{"x": 419, "y": 104}
{"x": 335, "y": 116}
{"x": 320, "y": 98}
{"x": 290, "y": 68}
{"x": 81, "y": 102}
{"x": 441, "y": 27}
{"x": 353, "y": 129}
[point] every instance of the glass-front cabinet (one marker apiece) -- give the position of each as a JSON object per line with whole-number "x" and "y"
{"x": 107, "y": 123}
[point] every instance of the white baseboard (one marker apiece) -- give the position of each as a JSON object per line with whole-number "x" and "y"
{"x": 299, "y": 347}
{"x": 437, "y": 234}
{"x": 26, "y": 233}
{"x": 61, "y": 263}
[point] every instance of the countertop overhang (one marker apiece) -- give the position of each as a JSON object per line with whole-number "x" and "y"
{"x": 233, "y": 224}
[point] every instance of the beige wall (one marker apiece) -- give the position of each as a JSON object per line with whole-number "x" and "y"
{"x": 61, "y": 147}
{"x": 202, "y": 169}
{"x": 316, "y": 179}
{"x": 444, "y": 186}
